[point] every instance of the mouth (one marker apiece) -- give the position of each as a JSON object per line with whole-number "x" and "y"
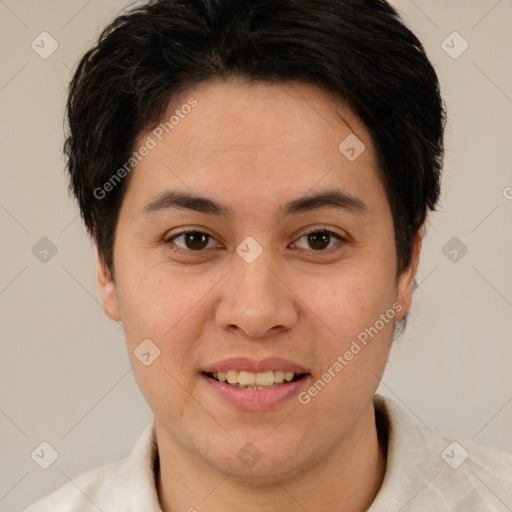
{"x": 255, "y": 381}
{"x": 250, "y": 384}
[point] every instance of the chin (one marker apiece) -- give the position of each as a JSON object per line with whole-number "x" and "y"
{"x": 259, "y": 466}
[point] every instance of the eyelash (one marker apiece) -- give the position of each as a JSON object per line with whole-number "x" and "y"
{"x": 341, "y": 240}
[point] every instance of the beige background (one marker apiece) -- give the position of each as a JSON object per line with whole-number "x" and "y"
{"x": 64, "y": 372}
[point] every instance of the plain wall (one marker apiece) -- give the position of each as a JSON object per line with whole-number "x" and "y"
{"x": 64, "y": 373}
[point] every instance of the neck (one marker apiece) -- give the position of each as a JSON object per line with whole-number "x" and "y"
{"x": 349, "y": 479}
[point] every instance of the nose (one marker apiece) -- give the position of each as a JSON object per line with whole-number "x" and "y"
{"x": 256, "y": 300}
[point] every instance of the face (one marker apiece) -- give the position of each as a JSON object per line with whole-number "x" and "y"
{"x": 287, "y": 272}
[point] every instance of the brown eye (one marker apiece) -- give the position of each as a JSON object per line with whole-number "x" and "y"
{"x": 320, "y": 240}
{"x": 191, "y": 240}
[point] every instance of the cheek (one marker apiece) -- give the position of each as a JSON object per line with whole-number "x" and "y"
{"x": 350, "y": 299}
{"x": 163, "y": 306}
{"x": 355, "y": 348}
{"x": 166, "y": 308}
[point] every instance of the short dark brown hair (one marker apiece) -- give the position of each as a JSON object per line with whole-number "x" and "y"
{"x": 359, "y": 50}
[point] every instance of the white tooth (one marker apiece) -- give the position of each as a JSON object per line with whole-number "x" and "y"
{"x": 246, "y": 378}
{"x": 278, "y": 376}
{"x": 232, "y": 376}
{"x": 288, "y": 376}
{"x": 260, "y": 380}
{"x": 265, "y": 378}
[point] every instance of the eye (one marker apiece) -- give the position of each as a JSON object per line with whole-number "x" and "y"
{"x": 320, "y": 239}
{"x": 192, "y": 240}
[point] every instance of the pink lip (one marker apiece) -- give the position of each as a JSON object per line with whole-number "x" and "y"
{"x": 251, "y": 400}
{"x": 250, "y": 365}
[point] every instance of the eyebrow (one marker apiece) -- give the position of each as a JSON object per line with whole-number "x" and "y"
{"x": 185, "y": 201}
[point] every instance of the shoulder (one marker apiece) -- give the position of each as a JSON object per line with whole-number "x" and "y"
{"x": 127, "y": 484}
{"x": 426, "y": 471}
{"x": 483, "y": 473}
{"x": 82, "y": 493}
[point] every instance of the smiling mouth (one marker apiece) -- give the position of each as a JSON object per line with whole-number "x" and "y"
{"x": 255, "y": 381}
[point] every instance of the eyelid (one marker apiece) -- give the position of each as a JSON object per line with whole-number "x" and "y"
{"x": 321, "y": 229}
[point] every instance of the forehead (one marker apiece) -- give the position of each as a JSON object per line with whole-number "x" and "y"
{"x": 262, "y": 118}
{"x": 247, "y": 140}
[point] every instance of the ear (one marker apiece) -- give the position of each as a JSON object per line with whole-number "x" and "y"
{"x": 107, "y": 289}
{"x": 406, "y": 279}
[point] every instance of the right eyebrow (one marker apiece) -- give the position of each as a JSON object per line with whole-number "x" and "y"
{"x": 181, "y": 200}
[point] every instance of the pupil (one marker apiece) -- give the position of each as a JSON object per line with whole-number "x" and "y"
{"x": 319, "y": 240}
{"x": 196, "y": 238}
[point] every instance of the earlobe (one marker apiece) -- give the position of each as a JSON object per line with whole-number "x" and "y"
{"x": 406, "y": 282}
{"x": 107, "y": 289}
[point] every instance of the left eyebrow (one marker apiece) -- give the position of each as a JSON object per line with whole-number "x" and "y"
{"x": 326, "y": 199}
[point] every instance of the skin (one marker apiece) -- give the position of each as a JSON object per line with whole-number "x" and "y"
{"x": 253, "y": 148}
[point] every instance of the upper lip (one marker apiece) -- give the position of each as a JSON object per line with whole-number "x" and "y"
{"x": 252, "y": 365}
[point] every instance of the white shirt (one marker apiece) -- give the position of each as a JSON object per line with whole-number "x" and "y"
{"x": 424, "y": 473}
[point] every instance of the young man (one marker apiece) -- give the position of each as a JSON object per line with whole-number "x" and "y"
{"x": 256, "y": 176}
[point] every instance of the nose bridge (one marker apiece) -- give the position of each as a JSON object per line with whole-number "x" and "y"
{"x": 256, "y": 300}
{"x": 253, "y": 275}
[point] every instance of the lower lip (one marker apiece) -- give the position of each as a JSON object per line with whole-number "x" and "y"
{"x": 256, "y": 400}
